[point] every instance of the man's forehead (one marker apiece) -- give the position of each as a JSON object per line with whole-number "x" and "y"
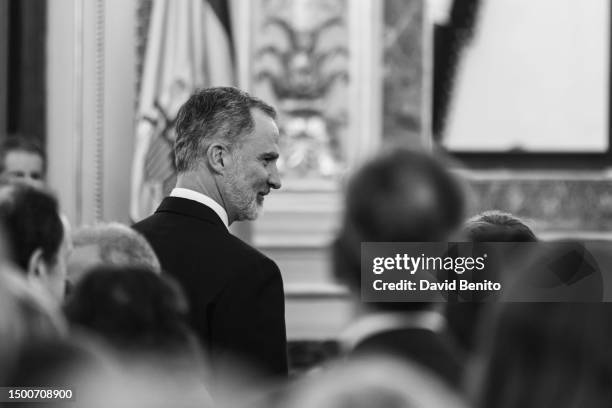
{"x": 21, "y": 154}
{"x": 264, "y": 120}
{"x": 20, "y": 160}
{"x": 265, "y": 131}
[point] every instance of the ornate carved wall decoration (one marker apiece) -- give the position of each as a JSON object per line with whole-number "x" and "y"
{"x": 403, "y": 80}
{"x": 549, "y": 200}
{"x": 300, "y": 52}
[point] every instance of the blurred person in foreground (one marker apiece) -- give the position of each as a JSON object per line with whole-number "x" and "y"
{"x": 23, "y": 159}
{"x": 489, "y": 226}
{"x": 51, "y": 362}
{"x": 81, "y": 365}
{"x": 399, "y": 196}
{"x": 110, "y": 244}
{"x": 27, "y": 313}
{"x": 226, "y": 151}
{"x": 545, "y": 355}
{"x": 371, "y": 383}
{"x": 35, "y": 234}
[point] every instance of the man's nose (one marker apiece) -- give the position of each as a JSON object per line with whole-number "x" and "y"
{"x": 274, "y": 179}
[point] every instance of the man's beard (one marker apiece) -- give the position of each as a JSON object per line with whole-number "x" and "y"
{"x": 243, "y": 198}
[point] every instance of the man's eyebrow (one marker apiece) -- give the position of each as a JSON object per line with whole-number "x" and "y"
{"x": 269, "y": 156}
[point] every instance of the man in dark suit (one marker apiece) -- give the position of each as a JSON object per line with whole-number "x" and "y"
{"x": 225, "y": 151}
{"x": 400, "y": 196}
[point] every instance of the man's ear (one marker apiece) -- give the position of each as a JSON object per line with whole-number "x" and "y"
{"x": 218, "y": 156}
{"x": 37, "y": 266}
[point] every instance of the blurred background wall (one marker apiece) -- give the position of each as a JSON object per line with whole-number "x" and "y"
{"x": 534, "y": 77}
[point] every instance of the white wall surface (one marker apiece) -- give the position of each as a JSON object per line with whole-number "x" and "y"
{"x": 534, "y": 77}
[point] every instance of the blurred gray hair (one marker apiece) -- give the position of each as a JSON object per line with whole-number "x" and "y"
{"x": 368, "y": 382}
{"x": 118, "y": 245}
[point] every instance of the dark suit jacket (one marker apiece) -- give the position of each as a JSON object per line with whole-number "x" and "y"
{"x": 235, "y": 292}
{"x": 414, "y": 336}
{"x": 435, "y": 351}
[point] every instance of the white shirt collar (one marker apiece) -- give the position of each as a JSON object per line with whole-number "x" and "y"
{"x": 203, "y": 199}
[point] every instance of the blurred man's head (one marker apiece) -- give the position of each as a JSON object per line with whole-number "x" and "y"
{"x": 22, "y": 159}
{"x": 35, "y": 234}
{"x": 230, "y": 139}
{"x": 401, "y": 196}
{"x": 498, "y": 226}
{"x": 111, "y": 244}
{"x": 489, "y": 226}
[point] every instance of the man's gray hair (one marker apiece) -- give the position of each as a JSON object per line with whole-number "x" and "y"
{"x": 213, "y": 115}
{"x": 118, "y": 245}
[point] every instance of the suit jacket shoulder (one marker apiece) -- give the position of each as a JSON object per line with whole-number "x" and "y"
{"x": 235, "y": 292}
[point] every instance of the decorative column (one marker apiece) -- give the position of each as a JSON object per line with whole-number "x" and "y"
{"x": 90, "y": 106}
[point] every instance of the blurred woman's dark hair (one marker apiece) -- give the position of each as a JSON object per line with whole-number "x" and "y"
{"x": 547, "y": 355}
{"x": 132, "y": 308}
{"x": 30, "y": 217}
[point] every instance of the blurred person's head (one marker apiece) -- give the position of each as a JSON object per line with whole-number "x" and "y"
{"x": 22, "y": 158}
{"x": 132, "y": 309}
{"x": 372, "y": 383}
{"x": 489, "y": 226}
{"x": 227, "y": 148}
{"x": 546, "y": 354}
{"x": 35, "y": 234}
{"x": 401, "y": 196}
{"x": 27, "y": 313}
{"x": 111, "y": 244}
{"x": 498, "y": 226}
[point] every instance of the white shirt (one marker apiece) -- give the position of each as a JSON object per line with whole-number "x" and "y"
{"x": 203, "y": 199}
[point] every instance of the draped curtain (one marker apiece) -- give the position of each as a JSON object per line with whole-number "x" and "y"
{"x": 22, "y": 68}
{"x": 449, "y": 40}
